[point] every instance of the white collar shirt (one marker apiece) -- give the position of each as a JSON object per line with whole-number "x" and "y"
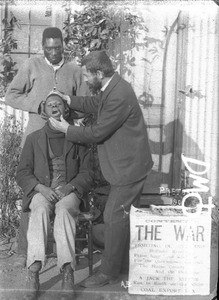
{"x": 57, "y": 66}
{"x": 106, "y": 84}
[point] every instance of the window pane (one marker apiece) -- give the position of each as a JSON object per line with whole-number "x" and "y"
{"x": 38, "y": 15}
{"x": 21, "y": 12}
{"x": 36, "y": 38}
{"x": 21, "y": 35}
{"x": 19, "y": 59}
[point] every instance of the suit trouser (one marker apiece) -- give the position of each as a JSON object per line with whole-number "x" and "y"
{"x": 116, "y": 220}
{"x": 66, "y": 212}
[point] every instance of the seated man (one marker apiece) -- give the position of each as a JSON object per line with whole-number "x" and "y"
{"x": 55, "y": 175}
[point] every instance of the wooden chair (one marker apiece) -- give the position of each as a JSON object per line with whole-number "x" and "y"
{"x": 85, "y": 219}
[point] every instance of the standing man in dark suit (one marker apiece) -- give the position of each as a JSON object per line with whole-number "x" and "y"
{"x": 123, "y": 150}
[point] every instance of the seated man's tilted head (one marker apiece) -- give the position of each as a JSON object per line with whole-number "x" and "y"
{"x": 55, "y": 106}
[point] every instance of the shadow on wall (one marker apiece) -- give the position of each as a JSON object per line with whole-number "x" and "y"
{"x": 173, "y": 142}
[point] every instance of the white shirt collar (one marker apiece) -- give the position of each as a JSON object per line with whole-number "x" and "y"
{"x": 57, "y": 66}
{"x": 106, "y": 84}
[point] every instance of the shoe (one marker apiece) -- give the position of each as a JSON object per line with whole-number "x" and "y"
{"x": 32, "y": 281}
{"x": 20, "y": 261}
{"x": 98, "y": 279}
{"x": 36, "y": 266}
{"x": 67, "y": 278}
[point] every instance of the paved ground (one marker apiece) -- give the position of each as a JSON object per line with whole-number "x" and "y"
{"x": 12, "y": 282}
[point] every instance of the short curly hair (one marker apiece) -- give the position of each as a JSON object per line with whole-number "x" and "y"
{"x": 98, "y": 60}
{"x": 53, "y": 33}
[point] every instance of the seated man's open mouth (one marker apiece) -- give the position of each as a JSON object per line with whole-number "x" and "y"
{"x": 56, "y": 114}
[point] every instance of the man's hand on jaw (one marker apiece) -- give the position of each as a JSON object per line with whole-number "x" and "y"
{"x": 41, "y": 111}
{"x": 63, "y": 96}
{"x": 67, "y": 99}
{"x": 61, "y": 125}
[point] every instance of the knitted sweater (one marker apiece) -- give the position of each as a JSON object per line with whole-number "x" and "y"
{"x": 33, "y": 82}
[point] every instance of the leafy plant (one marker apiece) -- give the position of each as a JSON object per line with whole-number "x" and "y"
{"x": 10, "y": 132}
{"x": 97, "y": 27}
{"x": 7, "y": 44}
{"x": 100, "y": 26}
{"x": 89, "y": 30}
{"x": 11, "y": 135}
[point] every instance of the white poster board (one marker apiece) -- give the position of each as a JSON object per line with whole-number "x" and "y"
{"x": 169, "y": 255}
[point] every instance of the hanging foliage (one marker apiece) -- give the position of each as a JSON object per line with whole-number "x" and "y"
{"x": 10, "y": 131}
{"x": 7, "y": 44}
{"x": 11, "y": 134}
{"x": 98, "y": 27}
{"x": 88, "y": 30}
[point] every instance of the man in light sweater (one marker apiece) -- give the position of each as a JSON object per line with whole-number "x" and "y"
{"x": 34, "y": 80}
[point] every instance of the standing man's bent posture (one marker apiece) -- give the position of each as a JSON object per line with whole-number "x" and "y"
{"x": 123, "y": 151}
{"x": 54, "y": 175}
{"x": 33, "y": 82}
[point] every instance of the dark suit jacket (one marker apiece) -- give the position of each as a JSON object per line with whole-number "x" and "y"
{"x": 34, "y": 168}
{"x": 120, "y": 132}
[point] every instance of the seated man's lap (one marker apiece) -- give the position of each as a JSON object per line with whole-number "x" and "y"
{"x": 69, "y": 203}
{"x": 39, "y": 201}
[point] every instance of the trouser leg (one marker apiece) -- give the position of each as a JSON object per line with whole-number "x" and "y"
{"x": 22, "y": 235}
{"x": 125, "y": 260}
{"x": 66, "y": 211}
{"x": 39, "y": 226}
{"x": 116, "y": 219}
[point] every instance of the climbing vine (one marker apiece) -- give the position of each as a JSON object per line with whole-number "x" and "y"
{"x": 7, "y": 44}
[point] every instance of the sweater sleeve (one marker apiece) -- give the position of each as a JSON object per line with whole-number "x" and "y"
{"x": 112, "y": 116}
{"x": 17, "y": 95}
{"x": 86, "y": 104}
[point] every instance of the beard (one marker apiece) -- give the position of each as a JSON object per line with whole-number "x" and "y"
{"x": 95, "y": 86}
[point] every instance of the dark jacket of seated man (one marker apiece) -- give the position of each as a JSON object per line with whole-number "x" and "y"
{"x": 55, "y": 175}
{"x": 34, "y": 167}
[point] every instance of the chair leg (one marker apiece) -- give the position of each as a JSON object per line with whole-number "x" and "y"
{"x": 90, "y": 248}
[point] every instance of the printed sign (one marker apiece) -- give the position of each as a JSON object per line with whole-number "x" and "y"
{"x": 169, "y": 254}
